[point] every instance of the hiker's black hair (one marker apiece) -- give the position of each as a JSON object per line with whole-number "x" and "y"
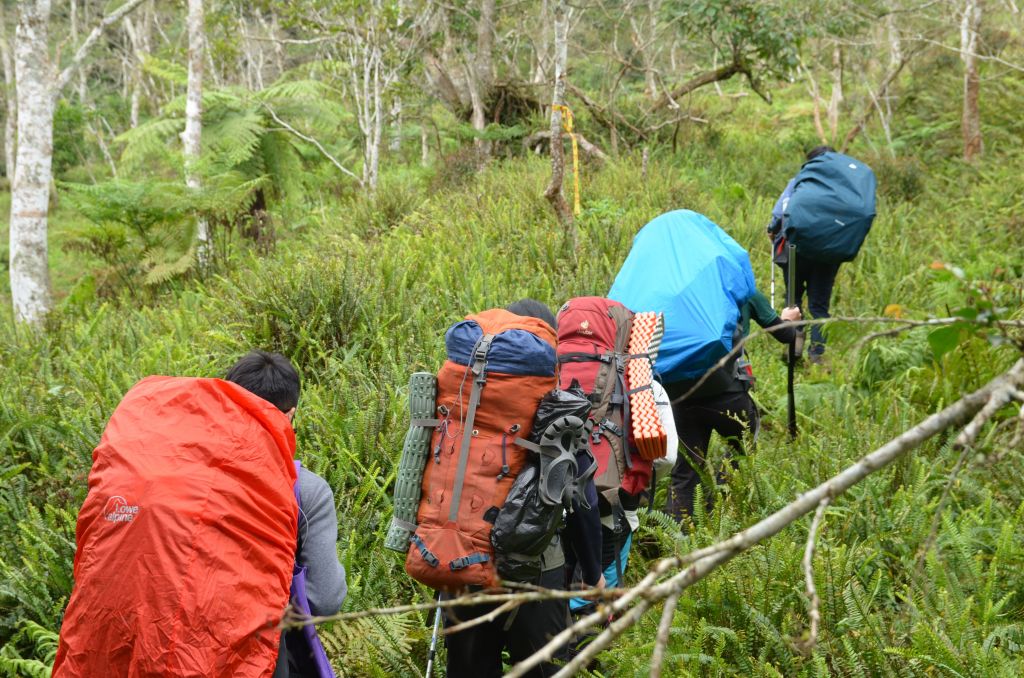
{"x": 819, "y": 150}
{"x": 268, "y": 375}
{"x": 534, "y": 309}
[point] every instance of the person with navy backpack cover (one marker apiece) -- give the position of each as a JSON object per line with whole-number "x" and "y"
{"x": 826, "y": 210}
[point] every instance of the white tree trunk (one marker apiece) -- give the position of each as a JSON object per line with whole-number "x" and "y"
{"x": 38, "y": 85}
{"x": 395, "y": 143}
{"x": 837, "y": 91}
{"x": 138, "y": 36}
{"x": 561, "y": 50}
{"x": 377, "y": 127}
{"x": 191, "y": 137}
{"x": 480, "y": 74}
{"x": 424, "y": 145}
{"x": 10, "y": 99}
{"x": 30, "y": 192}
{"x": 971, "y": 119}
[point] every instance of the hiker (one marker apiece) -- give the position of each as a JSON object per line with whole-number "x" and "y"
{"x": 476, "y": 652}
{"x": 272, "y": 377}
{"x": 721, "y": 404}
{"x": 197, "y": 533}
{"x": 494, "y": 456}
{"x": 826, "y": 210}
{"x": 594, "y": 337}
{"x": 685, "y": 266}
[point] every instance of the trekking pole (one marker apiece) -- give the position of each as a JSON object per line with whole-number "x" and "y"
{"x": 433, "y": 638}
{"x": 791, "y": 363}
{"x": 771, "y": 261}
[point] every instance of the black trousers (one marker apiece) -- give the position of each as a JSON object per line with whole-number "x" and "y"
{"x": 732, "y": 416}
{"x": 476, "y": 652}
{"x": 817, "y": 279}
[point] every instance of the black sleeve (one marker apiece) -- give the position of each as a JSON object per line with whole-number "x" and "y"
{"x": 786, "y": 335}
{"x": 583, "y": 536}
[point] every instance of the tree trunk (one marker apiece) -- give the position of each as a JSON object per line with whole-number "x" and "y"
{"x": 485, "y": 46}
{"x": 38, "y": 86}
{"x": 554, "y": 189}
{"x": 395, "y": 143}
{"x": 30, "y": 192}
{"x": 971, "y": 120}
{"x": 375, "y": 119}
{"x": 10, "y": 99}
{"x": 837, "y": 91}
{"x": 192, "y": 135}
{"x": 424, "y": 145}
{"x": 481, "y": 79}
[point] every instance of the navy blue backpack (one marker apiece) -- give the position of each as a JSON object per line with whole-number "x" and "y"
{"x": 831, "y": 209}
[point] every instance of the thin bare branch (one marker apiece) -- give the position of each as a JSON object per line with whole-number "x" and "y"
{"x": 484, "y": 618}
{"x": 526, "y": 594}
{"x": 65, "y": 75}
{"x": 813, "y": 602}
{"x": 319, "y": 146}
{"x": 904, "y": 323}
{"x": 661, "y": 640}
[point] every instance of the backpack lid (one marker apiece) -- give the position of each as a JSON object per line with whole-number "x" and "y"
{"x": 522, "y": 345}
{"x": 587, "y": 320}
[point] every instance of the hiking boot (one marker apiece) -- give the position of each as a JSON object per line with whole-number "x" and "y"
{"x": 816, "y": 358}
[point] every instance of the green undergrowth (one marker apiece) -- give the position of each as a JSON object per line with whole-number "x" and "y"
{"x": 360, "y": 299}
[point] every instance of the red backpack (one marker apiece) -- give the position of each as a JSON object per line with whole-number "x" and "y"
{"x": 593, "y": 336}
{"x": 499, "y": 367}
{"x": 186, "y": 540}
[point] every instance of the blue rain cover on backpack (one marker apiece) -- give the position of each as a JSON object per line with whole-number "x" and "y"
{"x": 685, "y": 266}
{"x": 831, "y": 209}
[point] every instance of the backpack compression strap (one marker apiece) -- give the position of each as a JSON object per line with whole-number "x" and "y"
{"x": 480, "y": 378}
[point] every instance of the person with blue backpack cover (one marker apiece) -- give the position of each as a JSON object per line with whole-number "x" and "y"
{"x": 826, "y": 210}
{"x": 685, "y": 266}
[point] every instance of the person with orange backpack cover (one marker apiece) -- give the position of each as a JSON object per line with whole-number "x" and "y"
{"x": 198, "y": 530}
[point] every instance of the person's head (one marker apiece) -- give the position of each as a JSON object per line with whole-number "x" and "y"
{"x": 819, "y": 150}
{"x": 533, "y": 309}
{"x": 270, "y": 376}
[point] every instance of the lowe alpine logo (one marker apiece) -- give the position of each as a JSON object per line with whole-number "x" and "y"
{"x": 118, "y": 510}
{"x": 585, "y": 328}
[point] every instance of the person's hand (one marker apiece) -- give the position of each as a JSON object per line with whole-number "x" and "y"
{"x": 601, "y": 582}
{"x": 791, "y": 313}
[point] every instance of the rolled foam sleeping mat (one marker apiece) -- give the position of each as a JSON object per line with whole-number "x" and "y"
{"x": 415, "y": 450}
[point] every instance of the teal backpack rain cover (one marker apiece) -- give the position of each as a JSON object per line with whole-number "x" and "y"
{"x": 831, "y": 209}
{"x": 688, "y": 268}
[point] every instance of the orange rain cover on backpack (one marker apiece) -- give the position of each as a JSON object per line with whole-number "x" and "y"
{"x": 186, "y": 540}
{"x": 472, "y": 467}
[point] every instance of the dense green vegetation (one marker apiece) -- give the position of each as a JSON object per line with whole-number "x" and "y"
{"x": 359, "y": 290}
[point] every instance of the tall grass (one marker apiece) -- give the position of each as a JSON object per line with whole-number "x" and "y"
{"x": 362, "y": 298}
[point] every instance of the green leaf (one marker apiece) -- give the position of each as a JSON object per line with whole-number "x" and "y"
{"x": 969, "y": 313}
{"x": 945, "y": 339}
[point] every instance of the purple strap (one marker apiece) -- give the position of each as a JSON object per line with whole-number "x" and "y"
{"x": 300, "y": 601}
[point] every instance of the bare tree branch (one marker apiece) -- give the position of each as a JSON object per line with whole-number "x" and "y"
{"x": 319, "y": 146}
{"x": 586, "y": 145}
{"x": 661, "y": 641}
{"x": 65, "y": 76}
{"x": 696, "y": 82}
{"x": 813, "y": 602}
{"x": 650, "y": 592}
